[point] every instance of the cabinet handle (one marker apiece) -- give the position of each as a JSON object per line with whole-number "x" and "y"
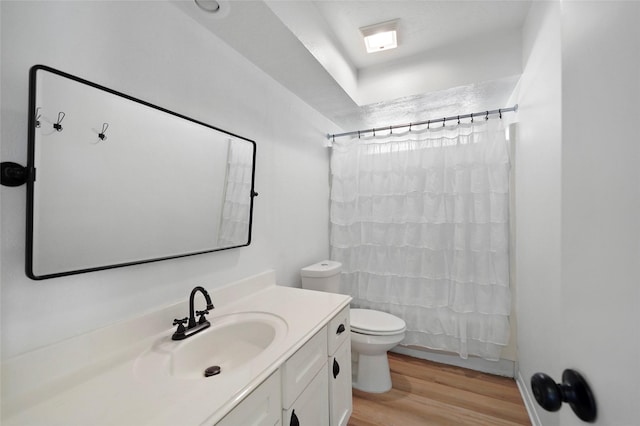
{"x": 336, "y": 368}
{"x": 340, "y": 329}
{"x": 294, "y": 419}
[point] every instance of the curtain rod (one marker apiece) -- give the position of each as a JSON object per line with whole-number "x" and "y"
{"x": 486, "y": 115}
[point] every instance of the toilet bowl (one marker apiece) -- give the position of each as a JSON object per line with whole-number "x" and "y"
{"x": 373, "y": 333}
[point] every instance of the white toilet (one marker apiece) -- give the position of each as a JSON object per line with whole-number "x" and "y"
{"x": 373, "y": 333}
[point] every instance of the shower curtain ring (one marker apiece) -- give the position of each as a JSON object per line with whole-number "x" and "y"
{"x": 458, "y": 119}
{"x": 500, "y": 113}
{"x": 486, "y": 117}
{"x": 390, "y": 130}
{"x": 443, "y": 120}
{"x": 428, "y": 124}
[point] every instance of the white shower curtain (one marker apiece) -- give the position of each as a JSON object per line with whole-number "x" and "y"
{"x": 234, "y": 221}
{"x": 420, "y": 222}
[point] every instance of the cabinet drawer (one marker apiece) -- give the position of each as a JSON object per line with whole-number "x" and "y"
{"x": 312, "y": 406}
{"x": 302, "y": 367}
{"x": 262, "y": 407}
{"x": 338, "y": 330}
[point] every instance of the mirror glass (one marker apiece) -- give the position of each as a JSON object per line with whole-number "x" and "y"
{"x": 116, "y": 181}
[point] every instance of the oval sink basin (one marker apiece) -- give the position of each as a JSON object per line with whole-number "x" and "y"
{"x": 230, "y": 342}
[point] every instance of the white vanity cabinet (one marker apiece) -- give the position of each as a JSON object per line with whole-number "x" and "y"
{"x": 312, "y": 388}
{"x": 316, "y": 380}
{"x": 261, "y": 408}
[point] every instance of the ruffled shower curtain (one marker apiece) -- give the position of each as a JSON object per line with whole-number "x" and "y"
{"x": 234, "y": 222}
{"x": 420, "y": 222}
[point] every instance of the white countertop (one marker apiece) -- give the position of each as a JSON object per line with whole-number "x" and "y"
{"x": 108, "y": 389}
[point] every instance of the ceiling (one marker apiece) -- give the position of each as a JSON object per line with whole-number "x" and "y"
{"x": 452, "y": 56}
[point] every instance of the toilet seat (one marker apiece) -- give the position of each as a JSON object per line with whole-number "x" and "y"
{"x": 376, "y": 323}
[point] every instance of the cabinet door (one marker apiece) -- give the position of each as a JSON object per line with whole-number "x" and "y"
{"x": 262, "y": 407}
{"x": 340, "y": 396}
{"x": 302, "y": 367}
{"x": 312, "y": 406}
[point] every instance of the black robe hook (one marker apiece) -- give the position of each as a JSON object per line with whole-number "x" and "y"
{"x": 57, "y": 125}
{"x": 38, "y": 115}
{"x": 102, "y": 135}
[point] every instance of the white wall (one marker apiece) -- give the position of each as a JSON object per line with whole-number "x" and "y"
{"x": 153, "y": 51}
{"x": 578, "y": 204}
{"x": 537, "y": 176}
{"x": 601, "y": 204}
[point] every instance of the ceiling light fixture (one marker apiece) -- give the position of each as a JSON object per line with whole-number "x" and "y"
{"x": 382, "y": 36}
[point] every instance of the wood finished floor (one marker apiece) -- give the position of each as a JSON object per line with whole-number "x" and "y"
{"x": 428, "y": 393}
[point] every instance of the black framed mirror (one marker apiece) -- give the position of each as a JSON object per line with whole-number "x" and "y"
{"x": 115, "y": 181}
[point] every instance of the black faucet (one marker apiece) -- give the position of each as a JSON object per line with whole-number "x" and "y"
{"x": 182, "y": 332}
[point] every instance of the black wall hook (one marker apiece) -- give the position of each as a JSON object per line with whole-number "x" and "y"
{"x": 105, "y": 126}
{"x": 573, "y": 390}
{"x": 38, "y": 115}
{"x": 57, "y": 125}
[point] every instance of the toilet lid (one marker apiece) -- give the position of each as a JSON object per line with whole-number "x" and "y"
{"x": 368, "y": 321}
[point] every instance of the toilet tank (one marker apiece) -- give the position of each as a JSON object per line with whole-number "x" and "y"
{"x": 322, "y": 276}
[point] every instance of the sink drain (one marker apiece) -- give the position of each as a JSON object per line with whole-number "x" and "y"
{"x": 212, "y": 371}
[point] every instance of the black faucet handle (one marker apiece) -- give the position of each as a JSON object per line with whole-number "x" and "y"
{"x": 179, "y": 333}
{"x": 180, "y": 323}
{"x": 202, "y": 319}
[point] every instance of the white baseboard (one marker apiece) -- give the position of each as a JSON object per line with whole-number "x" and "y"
{"x": 529, "y": 400}
{"x": 503, "y": 367}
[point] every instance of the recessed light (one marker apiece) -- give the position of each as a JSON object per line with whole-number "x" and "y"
{"x": 382, "y": 36}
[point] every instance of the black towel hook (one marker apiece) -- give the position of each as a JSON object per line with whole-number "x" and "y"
{"x": 57, "y": 125}
{"x": 38, "y": 115}
{"x": 102, "y": 135}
